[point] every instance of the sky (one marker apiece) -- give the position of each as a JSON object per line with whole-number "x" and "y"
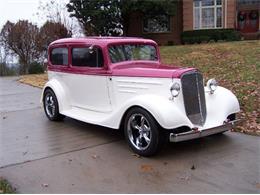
{"x": 14, "y": 10}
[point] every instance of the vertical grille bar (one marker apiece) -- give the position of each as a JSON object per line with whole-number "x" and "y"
{"x": 194, "y": 97}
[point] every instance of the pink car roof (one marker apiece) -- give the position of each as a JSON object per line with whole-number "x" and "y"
{"x": 102, "y": 41}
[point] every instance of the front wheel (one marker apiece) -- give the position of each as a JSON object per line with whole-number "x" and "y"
{"x": 143, "y": 133}
{"x": 51, "y": 106}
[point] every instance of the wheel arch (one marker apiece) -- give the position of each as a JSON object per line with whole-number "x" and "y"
{"x": 59, "y": 92}
{"x": 121, "y": 124}
{"x": 43, "y": 92}
{"x": 165, "y": 112}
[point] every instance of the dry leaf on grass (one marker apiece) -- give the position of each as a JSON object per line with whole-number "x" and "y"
{"x": 35, "y": 80}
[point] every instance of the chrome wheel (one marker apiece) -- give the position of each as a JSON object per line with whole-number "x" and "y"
{"x": 50, "y": 105}
{"x": 139, "y": 131}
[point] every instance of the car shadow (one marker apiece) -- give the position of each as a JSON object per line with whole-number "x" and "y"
{"x": 96, "y": 130}
{"x": 187, "y": 147}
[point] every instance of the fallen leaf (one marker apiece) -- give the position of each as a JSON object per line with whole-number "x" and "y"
{"x": 45, "y": 185}
{"x": 146, "y": 168}
{"x": 136, "y": 155}
{"x": 186, "y": 178}
{"x": 95, "y": 156}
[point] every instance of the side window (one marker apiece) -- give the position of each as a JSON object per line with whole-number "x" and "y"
{"x": 59, "y": 56}
{"x": 86, "y": 57}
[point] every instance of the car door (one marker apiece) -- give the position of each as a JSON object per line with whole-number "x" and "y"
{"x": 88, "y": 80}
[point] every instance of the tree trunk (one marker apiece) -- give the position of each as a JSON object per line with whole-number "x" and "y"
{"x": 24, "y": 69}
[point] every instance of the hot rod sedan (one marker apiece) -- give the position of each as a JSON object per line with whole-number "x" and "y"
{"x": 121, "y": 83}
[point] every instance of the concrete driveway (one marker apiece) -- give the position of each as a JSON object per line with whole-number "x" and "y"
{"x": 39, "y": 156}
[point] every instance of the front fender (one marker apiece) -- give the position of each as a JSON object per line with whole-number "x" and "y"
{"x": 60, "y": 92}
{"x": 171, "y": 114}
{"x": 166, "y": 112}
{"x": 220, "y": 105}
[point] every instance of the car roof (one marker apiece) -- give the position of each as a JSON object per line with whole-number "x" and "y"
{"x": 102, "y": 41}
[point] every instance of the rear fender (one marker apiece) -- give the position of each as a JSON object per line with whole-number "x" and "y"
{"x": 60, "y": 92}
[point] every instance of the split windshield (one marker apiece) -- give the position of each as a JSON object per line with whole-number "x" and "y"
{"x": 128, "y": 52}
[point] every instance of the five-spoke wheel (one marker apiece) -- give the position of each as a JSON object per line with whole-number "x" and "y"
{"x": 139, "y": 131}
{"x": 51, "y": 106}
{"x": 142, "y": 132}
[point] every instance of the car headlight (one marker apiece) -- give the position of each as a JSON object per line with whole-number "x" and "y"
{"x": 212, "y": 85}
{"x": 175, "y": 89}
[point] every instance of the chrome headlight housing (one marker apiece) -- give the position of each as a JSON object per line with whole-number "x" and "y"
{"x": 212, "y": 85}
{"x": 175, "y": 89}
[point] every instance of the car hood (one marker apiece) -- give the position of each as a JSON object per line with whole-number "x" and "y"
{"x": 149, "y": 70}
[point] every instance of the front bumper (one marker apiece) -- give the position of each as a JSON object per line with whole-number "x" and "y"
{"x": 194, "y": 134}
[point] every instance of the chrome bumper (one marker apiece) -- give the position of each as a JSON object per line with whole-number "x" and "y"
{"x": 194, "y": 134}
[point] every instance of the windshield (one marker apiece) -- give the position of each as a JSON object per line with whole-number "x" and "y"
{"x": 127, "y": 52}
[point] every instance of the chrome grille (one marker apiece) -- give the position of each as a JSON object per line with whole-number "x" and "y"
{"x": 194, "y": 97}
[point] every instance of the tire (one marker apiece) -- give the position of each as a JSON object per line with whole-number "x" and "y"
{"x": 142, "y": 132}
{"x": 51, "y": 106}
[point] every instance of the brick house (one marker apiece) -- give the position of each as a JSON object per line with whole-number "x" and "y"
{"x": 242, "y": 15}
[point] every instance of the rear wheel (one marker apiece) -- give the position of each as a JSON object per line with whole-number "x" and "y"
{"x": 143, "y": 133}
{"x": 51, "y": 106}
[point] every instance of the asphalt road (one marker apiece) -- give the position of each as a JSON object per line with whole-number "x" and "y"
{"x": 39, "y": 156}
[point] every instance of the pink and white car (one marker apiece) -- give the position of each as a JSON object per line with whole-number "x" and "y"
{"x": 121, "y": 82}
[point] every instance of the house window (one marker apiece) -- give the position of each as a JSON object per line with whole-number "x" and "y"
{"x": 208, "y": 14}
{"x": 156, "y": 24}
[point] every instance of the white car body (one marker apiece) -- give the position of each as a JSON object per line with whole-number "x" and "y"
{"x": 104, "y": 99}
{"x": 107, "y": 100}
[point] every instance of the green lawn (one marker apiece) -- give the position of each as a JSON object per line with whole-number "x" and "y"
{"x": 236, "y": 66}
{"x": 5, "y": 187}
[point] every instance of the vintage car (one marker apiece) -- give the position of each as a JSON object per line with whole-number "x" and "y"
{"x": 121, "y": 83}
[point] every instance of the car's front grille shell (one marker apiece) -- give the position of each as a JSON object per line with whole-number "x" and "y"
{"x": 194, "y": 97}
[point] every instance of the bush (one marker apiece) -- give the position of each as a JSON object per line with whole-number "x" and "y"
{"x": 199, "y": 36}
{"x": 5, "y": 70}
{"x": 5, "y": 187}
{"x": 170, "y": 43}
{"x": 35, "y": 68}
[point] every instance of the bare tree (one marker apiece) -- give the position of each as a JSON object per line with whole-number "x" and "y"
{"x": 21, "y": 38}
{"x": 56, "y": 11}
{"x": 50, "y": 32}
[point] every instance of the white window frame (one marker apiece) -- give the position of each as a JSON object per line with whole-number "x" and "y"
{"x": 200, "y": 7}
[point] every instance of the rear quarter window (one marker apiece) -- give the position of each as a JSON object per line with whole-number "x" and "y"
{"x": 86, "y": 57}
{"x": 59, "y": 56}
